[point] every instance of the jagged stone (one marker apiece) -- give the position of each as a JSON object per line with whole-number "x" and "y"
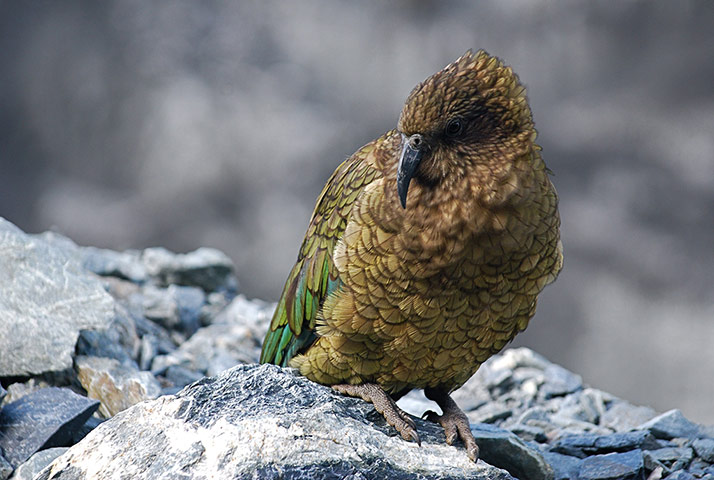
{"x": 680, "y": 475}
{"x": 47, "y": 298}
{"x": 42, "y": 419}
{"x": 158, "y": 306}
{"x": 189, "y": 302}
{"x": 180, "y": 377}
{"x": 705, "y": 449}
{"x": 672, "y": 424}
{"x": 207, "y": 268}
{"x": 36, "y": 463}
{"x": 489, "y": 413}
{"x": 559, "y": 381}
{"x": 565, "y": 467}
{"x": 93, "y": 422}
{"x": 613, "y": 466}
{"x": 529, "y": 433}
{"x": 261, "y": 422}
{"x": 126, "y": 265}
{"x": 652, "y": 464}
{"x": 592, "y": 403}
{"x": 119, "y": 340}
{"x": 622, "y": 416}
{"x": 519, "y": 357}
{"x": 504, "y": 449}
{"x": 115, "y": 385}
{"x": 699, "y": 468}
{"x": 148, "y": 350}
{"x": 17, "y": 390}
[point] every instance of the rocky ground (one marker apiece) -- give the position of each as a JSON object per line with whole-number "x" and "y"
{"x": 87, "y": 334}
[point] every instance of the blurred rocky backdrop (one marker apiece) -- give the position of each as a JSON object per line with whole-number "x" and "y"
{"x": 128, "y": 124}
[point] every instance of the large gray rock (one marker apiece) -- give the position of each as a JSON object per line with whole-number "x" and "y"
{"x": 261, "y": 422}
{"x": 47, "y": 298}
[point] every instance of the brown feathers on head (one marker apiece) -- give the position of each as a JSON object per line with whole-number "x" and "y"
{"x": 465, "y": 111}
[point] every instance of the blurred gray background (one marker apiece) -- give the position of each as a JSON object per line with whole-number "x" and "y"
{"x": 127, "y": 124}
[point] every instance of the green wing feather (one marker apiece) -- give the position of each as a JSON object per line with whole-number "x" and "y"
{"x": 314, "y": 276}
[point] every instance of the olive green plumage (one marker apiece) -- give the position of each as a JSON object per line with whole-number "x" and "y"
{"x": 428, "y": 247}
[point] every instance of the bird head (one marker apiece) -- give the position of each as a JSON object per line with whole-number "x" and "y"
{"x": 465, "y": 115}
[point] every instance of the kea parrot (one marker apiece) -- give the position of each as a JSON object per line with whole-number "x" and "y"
{"x": 426, "y": 251}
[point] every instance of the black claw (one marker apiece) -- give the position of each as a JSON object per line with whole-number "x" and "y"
{"x": 472, "y": 453}
{"x": 415, "y": 437}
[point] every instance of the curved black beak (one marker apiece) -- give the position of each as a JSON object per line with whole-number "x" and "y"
{"x": 412, "y": 153}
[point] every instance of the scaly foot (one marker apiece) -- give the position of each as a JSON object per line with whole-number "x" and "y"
{"x": 454, "y": 421}
{"x": 384, "y": 404}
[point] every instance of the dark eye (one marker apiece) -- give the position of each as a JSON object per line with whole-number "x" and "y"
{"x": 454, "y": 127}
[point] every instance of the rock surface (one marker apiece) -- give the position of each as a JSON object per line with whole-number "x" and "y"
{"x": 175, "y": 318}
{"x": 261, "y": 422}
{"x": 47, "y": 298}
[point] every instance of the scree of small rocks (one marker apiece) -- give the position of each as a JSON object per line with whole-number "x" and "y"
{"x": 109, "y": 358}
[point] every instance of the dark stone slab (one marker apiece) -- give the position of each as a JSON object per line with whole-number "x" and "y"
{"x": 564, "y": 467}
{"x": 46, "y": 418}
{"x": 613, "y": 466}
{"x": 588, "y": 444}
{"x": 88, "y": 426}
{"x": 504, "y": 449}
{"x": 680, "y": 475}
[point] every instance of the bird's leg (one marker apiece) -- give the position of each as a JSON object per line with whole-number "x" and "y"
{"x": 383, "y": 403}
{"x": 453, "y": 419}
